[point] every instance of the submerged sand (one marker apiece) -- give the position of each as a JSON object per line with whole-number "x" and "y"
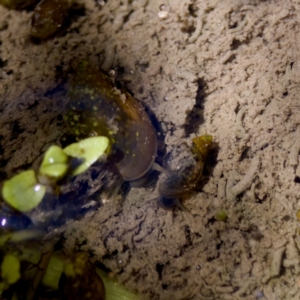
{"x": 229, "y": 68}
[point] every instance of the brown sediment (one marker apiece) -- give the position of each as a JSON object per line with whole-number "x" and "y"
{"x": 246, "y": 55}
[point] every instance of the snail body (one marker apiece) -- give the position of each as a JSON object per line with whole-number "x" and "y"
{"x": 98, "y": 107}
{"x": 186, "y": 166}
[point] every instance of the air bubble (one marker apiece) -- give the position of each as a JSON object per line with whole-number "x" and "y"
{"x": 163, "y": 7}
{"x": 172, "y": 88}
{"x": 111, "y": 73}
{"x": 198, "y": 267}
{"x": 166, "y": 98}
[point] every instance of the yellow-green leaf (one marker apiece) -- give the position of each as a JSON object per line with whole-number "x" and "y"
{"x": 10, "y": 269}
{"x": 55, "y": 163}
{"x": 23, "y": 192}
{"x": 90, "y": 150}
{"x": 221, "y": 215}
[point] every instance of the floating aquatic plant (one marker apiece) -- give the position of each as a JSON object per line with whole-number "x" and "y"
{"x": 221, "y": 215}
{"x": 23, "y": 192}
{"x": 55, "y": 163}
{"x": 10, "y": 269}
{"x": 90, "y": 150}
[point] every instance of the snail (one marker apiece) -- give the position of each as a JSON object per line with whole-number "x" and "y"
{"x": 184, "y": 172}
{"x": 98, "y": 107}
{"x": 48, "y": 18}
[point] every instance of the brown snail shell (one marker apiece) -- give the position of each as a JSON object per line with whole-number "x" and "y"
{"x": 98, "y": 107}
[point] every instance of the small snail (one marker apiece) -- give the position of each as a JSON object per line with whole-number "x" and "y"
{"x": 98, "y": 107}
{"x": 185, "y": 170}
{"x": 48, "y": 18}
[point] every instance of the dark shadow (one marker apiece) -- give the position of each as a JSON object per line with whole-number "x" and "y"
{"x": 195, "y": 117}
{"x": 76, "y": 10}
{"x": 161, "y": 147}
{"x": 58, "y": 90}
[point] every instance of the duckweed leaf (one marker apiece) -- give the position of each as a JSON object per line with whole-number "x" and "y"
{"x": 56, "y": 171}
{"x": 221, "y": 215}
{"x": 23, "y": 192}
{"x": 10, "y": 269}
{"x": 55, "y": 163}
{"x": 90, "y": 150}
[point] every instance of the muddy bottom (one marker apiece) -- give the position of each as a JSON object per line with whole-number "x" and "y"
{"x": 227, "y": 68}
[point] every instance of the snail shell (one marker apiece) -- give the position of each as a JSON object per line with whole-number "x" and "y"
{"x": 98, "y": 107}
{"x": 186, "y": 166}
{"x": 49, "y": 16}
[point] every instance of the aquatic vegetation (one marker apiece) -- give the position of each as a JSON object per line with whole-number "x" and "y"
{"x": 26, "y": 272}
{"x": 23, "y": 192}
{"x": 98, "y": 107}
{"x": 186, "y": 166}
{"x": 10, "y": 270}
{"x": 89, "y": 151}
{"x": 221, "y": 215}
{"x": 26, "y": 190}
{"x": 55, "y": 163}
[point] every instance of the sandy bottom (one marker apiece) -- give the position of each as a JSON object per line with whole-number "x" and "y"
{"x": 228, "y": 68}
